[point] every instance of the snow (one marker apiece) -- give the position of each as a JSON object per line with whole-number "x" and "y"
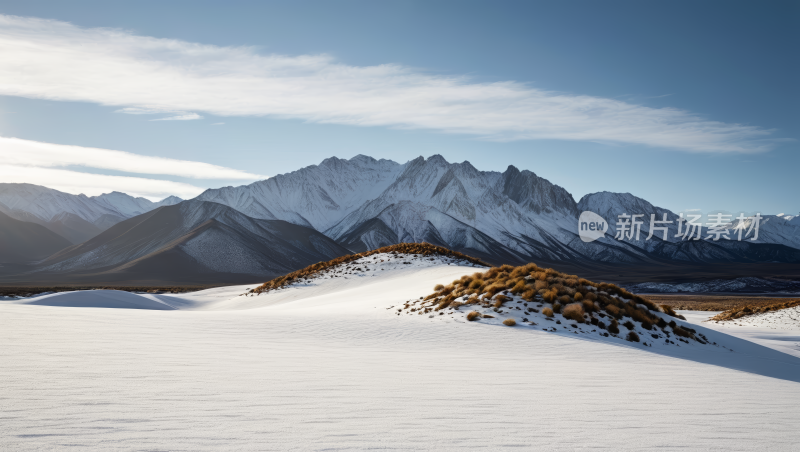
{"x": 515, "y": 213}
{"x": 46, "y": 203}
{"x": 316, "y": 196}
{"x": 785, "y": 319}
{"x": 328, "y": 364}
{"x": 126, "y": 205}
{"x": 99, "y": 299}
{"x": 779, "y": 330}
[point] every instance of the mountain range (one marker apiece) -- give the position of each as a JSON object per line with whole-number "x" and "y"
{"x": 75, "y": 217}
{"x": 342, "y": 206}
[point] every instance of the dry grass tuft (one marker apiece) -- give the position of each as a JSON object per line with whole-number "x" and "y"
{"x": 747, "y": 310}
{"x": 499, "y": 300}
{"x": 548, "y": 312}
{"x": 632, "y": 336}
{"x": 509, "y": 322}
{"x": 474, "y": 315}
{"x": 574, "y": 312}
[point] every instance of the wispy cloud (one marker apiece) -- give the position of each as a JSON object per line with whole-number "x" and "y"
{"x": 117, "y": 68}
{"x": 27, "y": 153}
{"x": 178, "y": 115}
{"x": 141, "y": 111}
{"x": 77, "y": 182}
{"x": 185, "y": 117}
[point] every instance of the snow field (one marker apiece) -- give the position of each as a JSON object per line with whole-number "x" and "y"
{"x": 327, "y": 363}
{"x": 785, "y": 319}
{"x": 778, "y": 330}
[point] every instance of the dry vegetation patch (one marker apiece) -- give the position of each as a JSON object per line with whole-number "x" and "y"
{"x": 422, "y": 249}
{"x": 747, "y": 310}
{"x": 715, "y": 302}
{"x": 530, "y": 291}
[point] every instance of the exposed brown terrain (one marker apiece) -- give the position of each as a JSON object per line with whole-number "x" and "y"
{"x": 744, "y": 311}
{"x": 676, "y": 272}
{"x": 715, "y": 302}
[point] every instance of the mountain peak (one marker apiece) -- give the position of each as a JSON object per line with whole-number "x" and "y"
{"x": 437, "y": 159}
{"x": 331, "y": 161}
{"x": 363, "y": 158}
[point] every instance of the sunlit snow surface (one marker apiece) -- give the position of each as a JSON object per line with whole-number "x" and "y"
{"x": 328, "y": 364}
{"x": 779, "y": 330}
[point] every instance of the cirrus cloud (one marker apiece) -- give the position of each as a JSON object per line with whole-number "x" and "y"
{"x": 118, "y": 68}
{"x": 19, "y": 152}
{"x": 91, "y": 184}
{"x": 183, "y": 117}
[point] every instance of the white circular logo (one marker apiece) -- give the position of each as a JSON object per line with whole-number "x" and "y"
{"x": 591, "y": 226}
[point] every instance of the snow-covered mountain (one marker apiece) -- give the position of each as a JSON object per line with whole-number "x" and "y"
{"x": 362, "y": 203}
{"x": 741, "y": 285}
{"x": 368, "y": 203}
{"x": 45, "y": 203}
{"x": 193, "y": 241}
{"x": 316, "y": 196}
{"x": 75, "y": 217}
{"x": 780, "y": 228}
{"x": 128, "y": 206}
{"x": 511, "y": 216}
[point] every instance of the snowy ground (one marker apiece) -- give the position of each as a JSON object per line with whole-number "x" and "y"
{"x": 779, "y": 330}
{"x": 327, "y": 364}
{"x": 783, "y": 320}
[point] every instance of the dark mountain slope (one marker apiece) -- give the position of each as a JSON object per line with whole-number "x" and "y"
{"x": 22, "y": 241}
{"x": 191, "y": 242}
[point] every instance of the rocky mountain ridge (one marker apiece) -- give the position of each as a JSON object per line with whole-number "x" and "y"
{"x": 362, "y": 203}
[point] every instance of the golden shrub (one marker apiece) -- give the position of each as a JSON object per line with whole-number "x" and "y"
{"x": 574, "y": 312}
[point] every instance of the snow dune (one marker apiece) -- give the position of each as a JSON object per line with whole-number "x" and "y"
{"x": 381, "y": 279}
{"x": 325, "y": 365}
{"x": 100, "y": 299}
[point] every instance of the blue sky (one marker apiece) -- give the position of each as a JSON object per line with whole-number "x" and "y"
{"x": 690, "y": 105}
